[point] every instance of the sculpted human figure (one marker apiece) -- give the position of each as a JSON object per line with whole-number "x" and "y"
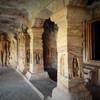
{"x": 37, "y": 58}
{"x": 4, "y": 51}
{"x": 62, "y": 65}
{"x": 28, "y": 56}
{"x": 75, "y": 66}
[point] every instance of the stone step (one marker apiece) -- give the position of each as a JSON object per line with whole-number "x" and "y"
{"x": 88, "y": 70}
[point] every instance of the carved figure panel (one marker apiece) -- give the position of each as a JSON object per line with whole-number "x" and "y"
{"x": 75, "y": 67}
{"x": 49, "y": 53}
{"x": 62, "y": 64}
{"x": 37, "y": 57}
{"x": 28, "y": 55}
{"x": 4, "y": 50}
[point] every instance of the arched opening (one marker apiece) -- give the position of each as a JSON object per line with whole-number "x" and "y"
{"x": 50, "y": 48}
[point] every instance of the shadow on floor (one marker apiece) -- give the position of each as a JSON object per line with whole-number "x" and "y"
{"x": 95, "y": 91}
{"x": 45, "y": 86}
{"x": 52, "y": 73}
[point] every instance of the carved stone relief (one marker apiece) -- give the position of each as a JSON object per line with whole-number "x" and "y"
{"x": 28, "y": 56}
{"x": 49, "y": 53}
{"x": 76, "y": 67}
{"x": 4, "y": 50}
{"x": 62, "y": 64}
{"x": 37, "y": 57}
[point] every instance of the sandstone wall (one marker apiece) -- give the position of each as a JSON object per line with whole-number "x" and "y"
{"x": 8, "y": 50}
{"x": 13, "y": 51}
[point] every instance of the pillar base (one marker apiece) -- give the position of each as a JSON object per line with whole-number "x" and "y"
{"x": 37, "y": 76}
{"x": 23, "y": 70}
{"x": 81, "y": 94}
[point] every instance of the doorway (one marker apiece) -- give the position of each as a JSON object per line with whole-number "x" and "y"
{"x": 50, "y": 48}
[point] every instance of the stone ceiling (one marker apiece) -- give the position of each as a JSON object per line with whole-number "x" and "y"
{"x": 17, "y": 15}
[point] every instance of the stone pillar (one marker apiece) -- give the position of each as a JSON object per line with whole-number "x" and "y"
{"x": 27, "y": 52}
{"x": 36, "y": 70}
{"x": 70, "y": 85}
{"x": 21, "y": 52}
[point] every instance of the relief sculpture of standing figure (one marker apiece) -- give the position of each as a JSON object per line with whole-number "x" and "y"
{"x": 75, "y": 66}
{"x": 4, "y": 51}
{"x": 62, "y": 65}
{"x": 37, "y": 58}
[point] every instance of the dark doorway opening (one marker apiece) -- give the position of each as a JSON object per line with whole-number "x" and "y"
{"x": 95, "y": 32}
{"x": 50, "y": 48}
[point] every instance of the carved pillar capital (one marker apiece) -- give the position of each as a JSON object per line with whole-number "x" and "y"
{"x": 56, "y": 17}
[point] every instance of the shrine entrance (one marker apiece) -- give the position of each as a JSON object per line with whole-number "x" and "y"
{"x": 50, "y": 48}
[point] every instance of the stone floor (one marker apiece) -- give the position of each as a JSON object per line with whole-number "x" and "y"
{"x": 52, "y": 73}
{"x": 45, "y": 86}
{"x": 95, "y": 91}
{"x": 14, "y": 87}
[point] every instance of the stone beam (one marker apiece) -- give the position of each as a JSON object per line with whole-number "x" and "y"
{"x": 10, "y": 21}
{"x": 23, "y": 14}
{"x": 8, "y": 28}
{"x": 5, "y": 31}
{"x": 75, "y": 2}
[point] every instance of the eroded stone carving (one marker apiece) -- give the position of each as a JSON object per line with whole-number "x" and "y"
{"x": 75, "y": 67}
{"x": 28, "y": 56}
{"x": 49, "y": 53}
{"x": 62, "y": 65}
{"x": 4, "y": 51}
{"x": 37, "y": 57}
